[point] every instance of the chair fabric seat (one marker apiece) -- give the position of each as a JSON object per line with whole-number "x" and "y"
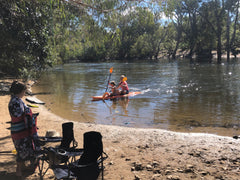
{"x": 73, "y": 171}
{"x": 62, "y": 171}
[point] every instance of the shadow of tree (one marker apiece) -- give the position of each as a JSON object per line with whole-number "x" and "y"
{"x": 3, "y": 141}
{"x": 9, "y": 163}
{"x": 8, "y": 171}
{"x": 5, "y": 175}
{"x": 8, "y": 176}
{"x": 4, "y": 138}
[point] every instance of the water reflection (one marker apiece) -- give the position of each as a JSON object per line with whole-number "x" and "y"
{"x": 202, "y": 105}
{"x": 175, "y": 95}
{"x": 117, "y": 107}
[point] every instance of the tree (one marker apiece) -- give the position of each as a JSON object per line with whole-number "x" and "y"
{"x": 24, "y": 32}
{"x": 214, "y": 13}
{"x": 191, "y": 8}
{"x": 133, "y": 33}
{"x": 232, "y": 8}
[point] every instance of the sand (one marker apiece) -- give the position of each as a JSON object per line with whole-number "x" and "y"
{"x": 144, "y": 154}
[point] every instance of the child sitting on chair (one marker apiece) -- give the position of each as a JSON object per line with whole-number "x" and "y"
{"x": 114, "y": 90}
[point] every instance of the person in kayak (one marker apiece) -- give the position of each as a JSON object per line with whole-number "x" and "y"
{"x": 123, "y": 85}
{"x": 114, "y": 90}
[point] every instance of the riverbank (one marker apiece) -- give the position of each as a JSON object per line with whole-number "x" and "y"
{"x": 145, "y": 154}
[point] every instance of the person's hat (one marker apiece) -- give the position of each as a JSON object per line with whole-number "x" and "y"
{"x": 113, "y": 82}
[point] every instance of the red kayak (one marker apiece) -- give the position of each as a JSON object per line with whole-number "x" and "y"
{"x": 97, "y": 98}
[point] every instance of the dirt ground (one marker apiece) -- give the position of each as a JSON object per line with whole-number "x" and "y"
{"x": 136, "y": 154}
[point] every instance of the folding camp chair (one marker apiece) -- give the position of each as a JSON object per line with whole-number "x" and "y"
{"x": 68, "y": 137}
{"x": 89, "y": 165}
{"x": 57, "y": 155}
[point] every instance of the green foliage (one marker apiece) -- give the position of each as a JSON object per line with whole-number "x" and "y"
{"x": 134, "y": 34}
{"x": 37, "y": 34}
{"x": 142, "y": 48}
{"x": 24, "y": 33}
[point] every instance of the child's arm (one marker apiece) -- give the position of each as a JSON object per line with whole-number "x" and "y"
{"x": 119, "y": 85}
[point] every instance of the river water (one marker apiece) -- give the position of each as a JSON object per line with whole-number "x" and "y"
{"x": 175, "y": 95}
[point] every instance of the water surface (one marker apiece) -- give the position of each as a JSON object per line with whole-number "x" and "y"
{"x": 176, "y": 96}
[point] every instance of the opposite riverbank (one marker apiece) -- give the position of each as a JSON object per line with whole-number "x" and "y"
{"x": 145, "y": 154}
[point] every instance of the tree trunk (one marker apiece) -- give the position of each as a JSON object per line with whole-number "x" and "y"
{"x": 159, "y": 43}
{"x": 219, "y": 38}
{"x": 228, "y": 36}
{"x": 234, "y": 27}
{"x": 179, "y": 34}
{"x": 219, "y": 49}
{"x": 193, "y": 34}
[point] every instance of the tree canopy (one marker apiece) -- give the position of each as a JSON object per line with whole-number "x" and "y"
{"x": 37, "y": 34}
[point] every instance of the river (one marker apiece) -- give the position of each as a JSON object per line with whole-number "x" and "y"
{"x": 175, "y": 95}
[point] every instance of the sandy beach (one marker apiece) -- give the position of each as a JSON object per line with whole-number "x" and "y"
{"x": 137, "y": 154}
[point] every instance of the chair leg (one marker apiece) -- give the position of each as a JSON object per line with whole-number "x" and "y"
{"x": 40, "y": 168}
{"x": 102, "y": 167}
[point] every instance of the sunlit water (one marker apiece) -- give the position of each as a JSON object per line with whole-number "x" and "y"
{"x": 176, "y": 95}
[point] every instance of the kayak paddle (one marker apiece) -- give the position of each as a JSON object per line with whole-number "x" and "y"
{"x": 110, "y": 70}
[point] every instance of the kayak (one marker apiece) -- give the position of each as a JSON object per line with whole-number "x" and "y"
{"x": 31, "y": 105}
{"x": 34, "y": 100}
{"x": 97, "y": 98}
